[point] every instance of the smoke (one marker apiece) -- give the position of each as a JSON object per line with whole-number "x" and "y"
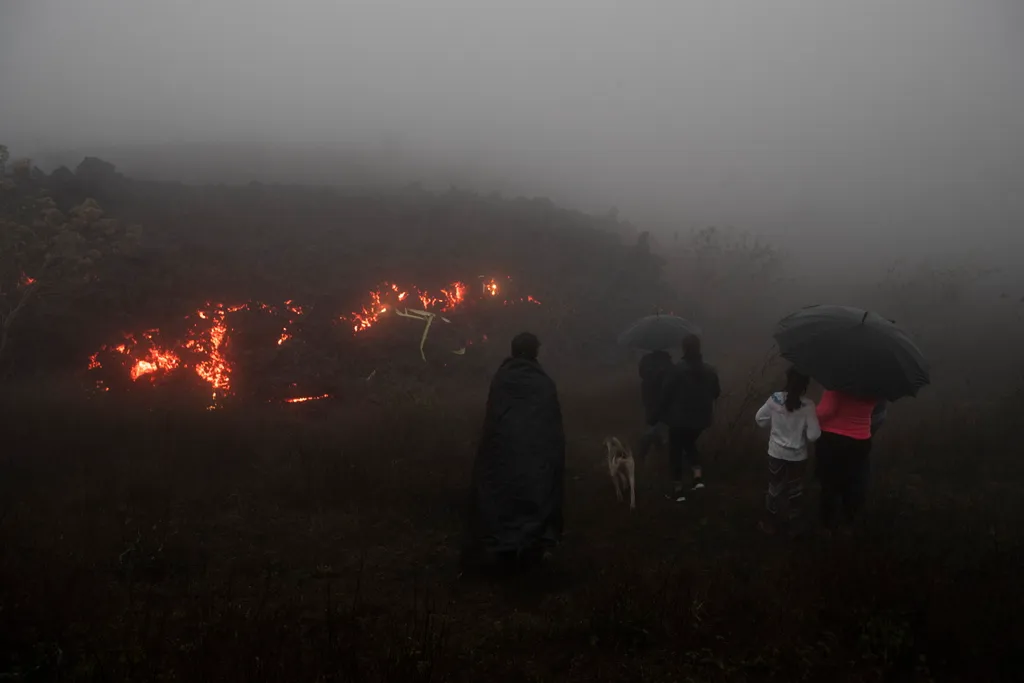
{"x": 869, "y": 127}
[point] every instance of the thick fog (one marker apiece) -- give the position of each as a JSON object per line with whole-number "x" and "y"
{"x": 858, "y": 126}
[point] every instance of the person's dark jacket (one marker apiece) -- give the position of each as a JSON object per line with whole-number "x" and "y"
{"x": 518, "y": 476}
{"x": 654, "y": 368}
{"x": 689, "y": 394}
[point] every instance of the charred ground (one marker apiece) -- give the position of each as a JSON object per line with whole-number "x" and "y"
{"x": 145, "y": 538}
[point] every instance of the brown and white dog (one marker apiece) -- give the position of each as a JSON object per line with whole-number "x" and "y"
{"x": 622, "y": 468}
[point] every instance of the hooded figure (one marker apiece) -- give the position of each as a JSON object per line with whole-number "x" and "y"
{"x": 518, "y": 475}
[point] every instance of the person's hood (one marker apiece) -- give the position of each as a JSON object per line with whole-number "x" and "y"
{"x": 514, "y": 362}
{"x": 778, "y": 401}
{"x": 521, "y": 378}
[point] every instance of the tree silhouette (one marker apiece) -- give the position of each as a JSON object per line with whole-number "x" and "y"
{"x": 45, "y": 251}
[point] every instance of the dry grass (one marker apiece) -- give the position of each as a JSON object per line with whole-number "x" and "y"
{"x": 320, "y": 546}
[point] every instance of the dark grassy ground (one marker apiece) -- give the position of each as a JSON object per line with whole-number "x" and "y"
{"x": 323, "y": 544}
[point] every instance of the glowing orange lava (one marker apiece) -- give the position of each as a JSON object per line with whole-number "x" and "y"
{"x": 370, "y": 313}
{"x": 157, "y": 360}
{"x": 206, "y": 346}
{"x": 388, "y": 296}
{"x": 215, "y": 369}
{"x": 521, "y": 300}
{"x": 303, "y": 399}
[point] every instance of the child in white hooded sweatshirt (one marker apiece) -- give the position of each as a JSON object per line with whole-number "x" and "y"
{"x": 794, "y": 424}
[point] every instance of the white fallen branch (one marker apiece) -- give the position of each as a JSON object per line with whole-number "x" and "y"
{"x": 428, "y": 318}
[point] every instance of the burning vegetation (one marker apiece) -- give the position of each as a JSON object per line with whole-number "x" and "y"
{"x": 389, "y": 297}
{"x": 233, "y": 345}
{"x": 203, "y": 350}
{"x": 204, "y": 346}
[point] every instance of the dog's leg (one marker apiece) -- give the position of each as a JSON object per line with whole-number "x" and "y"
{"x": 631, "y": 473}
{"x": 613, "y": 470}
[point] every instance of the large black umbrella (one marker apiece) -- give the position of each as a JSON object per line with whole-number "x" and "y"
{"x": 657, "y": 332}
{"x": 852, "y": 350}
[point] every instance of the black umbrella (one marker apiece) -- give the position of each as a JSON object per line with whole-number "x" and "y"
{"x": 657, "y": 332}
{"x": 852, "y": 350}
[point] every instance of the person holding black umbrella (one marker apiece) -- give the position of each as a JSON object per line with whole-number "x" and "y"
{"x": 687, "y": 406}
{"x": 842, "y": 453}
{"x": 863, "y": 360}
{"x": 653, "y": 334}
{"x": 848, "y": 427}
{"x": 654, "y": 368}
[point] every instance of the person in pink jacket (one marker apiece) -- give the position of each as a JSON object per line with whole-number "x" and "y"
{"x": 842, "y": 455}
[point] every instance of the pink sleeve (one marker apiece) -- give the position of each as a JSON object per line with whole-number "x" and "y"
{"x": 827, "y": 406}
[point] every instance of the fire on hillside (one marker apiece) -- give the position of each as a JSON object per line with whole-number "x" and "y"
{"x": 390, "y": 297}
{"x": 204, "y": 348}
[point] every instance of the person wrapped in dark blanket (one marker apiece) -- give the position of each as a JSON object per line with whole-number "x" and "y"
{"x": 519, "y": 472}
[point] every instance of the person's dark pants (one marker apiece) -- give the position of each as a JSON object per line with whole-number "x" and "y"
{"x": 682, "y": 445}
{"x": 843, "y": 466}
{"x": 652, "y": 437}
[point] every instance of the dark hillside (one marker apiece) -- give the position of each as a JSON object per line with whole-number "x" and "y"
{"x": 326, "y": 247}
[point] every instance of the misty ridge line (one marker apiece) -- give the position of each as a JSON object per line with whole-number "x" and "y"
{"x": 363, "y": 171}
{"x": 366, "y": 169}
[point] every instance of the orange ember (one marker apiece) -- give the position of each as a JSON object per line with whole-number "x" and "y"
{"x": 303, "y": 399}
{"x": 215, "y": 369}
{"x": 366, "y": 318}
{"x": 454, "y": 295}
{"x": 525, "y": 299}
{"x": 389, "y": 295}
{"x": 157, "y": 360}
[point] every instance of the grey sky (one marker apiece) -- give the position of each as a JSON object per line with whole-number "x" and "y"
{"x": 898, "y": 118}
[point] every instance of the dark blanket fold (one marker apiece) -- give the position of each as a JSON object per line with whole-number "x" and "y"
{"x": 518, "y": 476}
